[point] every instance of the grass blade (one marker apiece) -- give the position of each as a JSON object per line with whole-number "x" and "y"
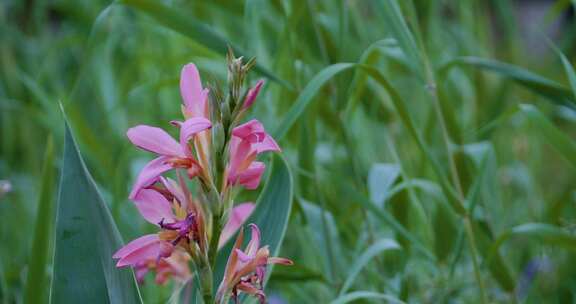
{"x": 538, "y": 84}
{"x": 361, "y": 262}
{"x": 195, "y": 30}
{"x": 560, "y": 141}
{"x": 357, "y": 295}
{"x": 306, "y": 96}
{"x": 37, "y": 280}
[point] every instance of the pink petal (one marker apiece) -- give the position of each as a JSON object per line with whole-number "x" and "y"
{"x": 250, "y": 178}
{"x": 193, "y": 95}
{"x": 153, "y": 206}
{"x": 154, "y": 140}
{"x": 173, "y": 187}
{"x": 268, "y": 144}
{"x": 239, "y": 151}
{"x": 140, "y": 271}
{"x": 282, "y": 261}
{"x": 189, "y": 128}
{"x": 254, "y": 243}
{"x": 252, "y": 94}
{"x": 238, "y": 216}
{"x": 147, "y": 252}
{"x": 136, "y": 244}
{"x": 252, "y": 131}
{"x": 150, "y": 174}
{"x": 243, "y": 257}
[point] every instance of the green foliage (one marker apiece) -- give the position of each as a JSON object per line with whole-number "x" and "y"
{"x": 445, "y": 128}
{"x": 85, "y": 239}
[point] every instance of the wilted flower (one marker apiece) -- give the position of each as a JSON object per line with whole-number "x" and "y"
{"x": 175, "y": 266}
{"x": 246, "y": 270}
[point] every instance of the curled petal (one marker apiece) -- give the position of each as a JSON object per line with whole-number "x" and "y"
{"x": 140, "y": 270}
{"x": 281, "y": 261}
{"x": 251, "y": 290}
{"x": 268, "y": 144}
{"x": 154, "y": 207}
{"x": 136, "y": 244}
{"x": 252, "y": 94}
{"x": 238, "y": 216}
{"x": 251, "y": 131}
{"x": 173, "y": 187}
{"x": 154, "y": 140}
{"x": 243, "y": 257}
{"x": 154, "y": 250}
{"x": 254, "y": 243}
{"x": 250, "y": 178}
{"x": 150, "y": 174}
{"x": 189, "y": 128}
{"x": 193, "y": 95}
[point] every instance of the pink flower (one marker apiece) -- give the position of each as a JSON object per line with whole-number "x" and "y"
{"x": 180, "y": 219}
{"x": 170, "y": 206}
{"x": 172, "y": 154}
{"x": 248, "y": 140}
{"x": 175, "y": 266}
{"x": 237, "y": 217}
{"x": 246, "y": 270}
{"x": 252, "y": 94}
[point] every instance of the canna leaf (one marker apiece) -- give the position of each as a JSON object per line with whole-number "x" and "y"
{"x": 85, "y": 240}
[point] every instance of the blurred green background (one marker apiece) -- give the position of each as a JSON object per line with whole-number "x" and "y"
{"x": 439, "y": 168}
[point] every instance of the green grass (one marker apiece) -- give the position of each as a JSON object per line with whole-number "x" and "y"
{"x": 476, "y": 132}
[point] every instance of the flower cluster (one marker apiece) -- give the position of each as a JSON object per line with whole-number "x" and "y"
{"x": 218, "y": 153}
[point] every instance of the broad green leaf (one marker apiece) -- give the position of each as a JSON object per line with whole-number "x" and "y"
{"x": 271, "y": 214}
{"x": 361, "y": 262}
{"x": 358, "y": 295}
{"x": 85, "y": 240}
{"x": 37, "y": 280}
{"x": 307, "y": 95}
{"x": 560, "y": 141}
{"x": 195, "y": 30}
{"x": 538, "y": 84}
{"x": 380, "y": 178}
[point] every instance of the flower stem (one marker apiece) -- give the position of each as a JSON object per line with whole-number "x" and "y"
{"x": 210, "y": 263}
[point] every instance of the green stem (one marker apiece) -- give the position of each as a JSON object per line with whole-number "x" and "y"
{"x": 454, "y": 174}
{"x": 210, "y": 263}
